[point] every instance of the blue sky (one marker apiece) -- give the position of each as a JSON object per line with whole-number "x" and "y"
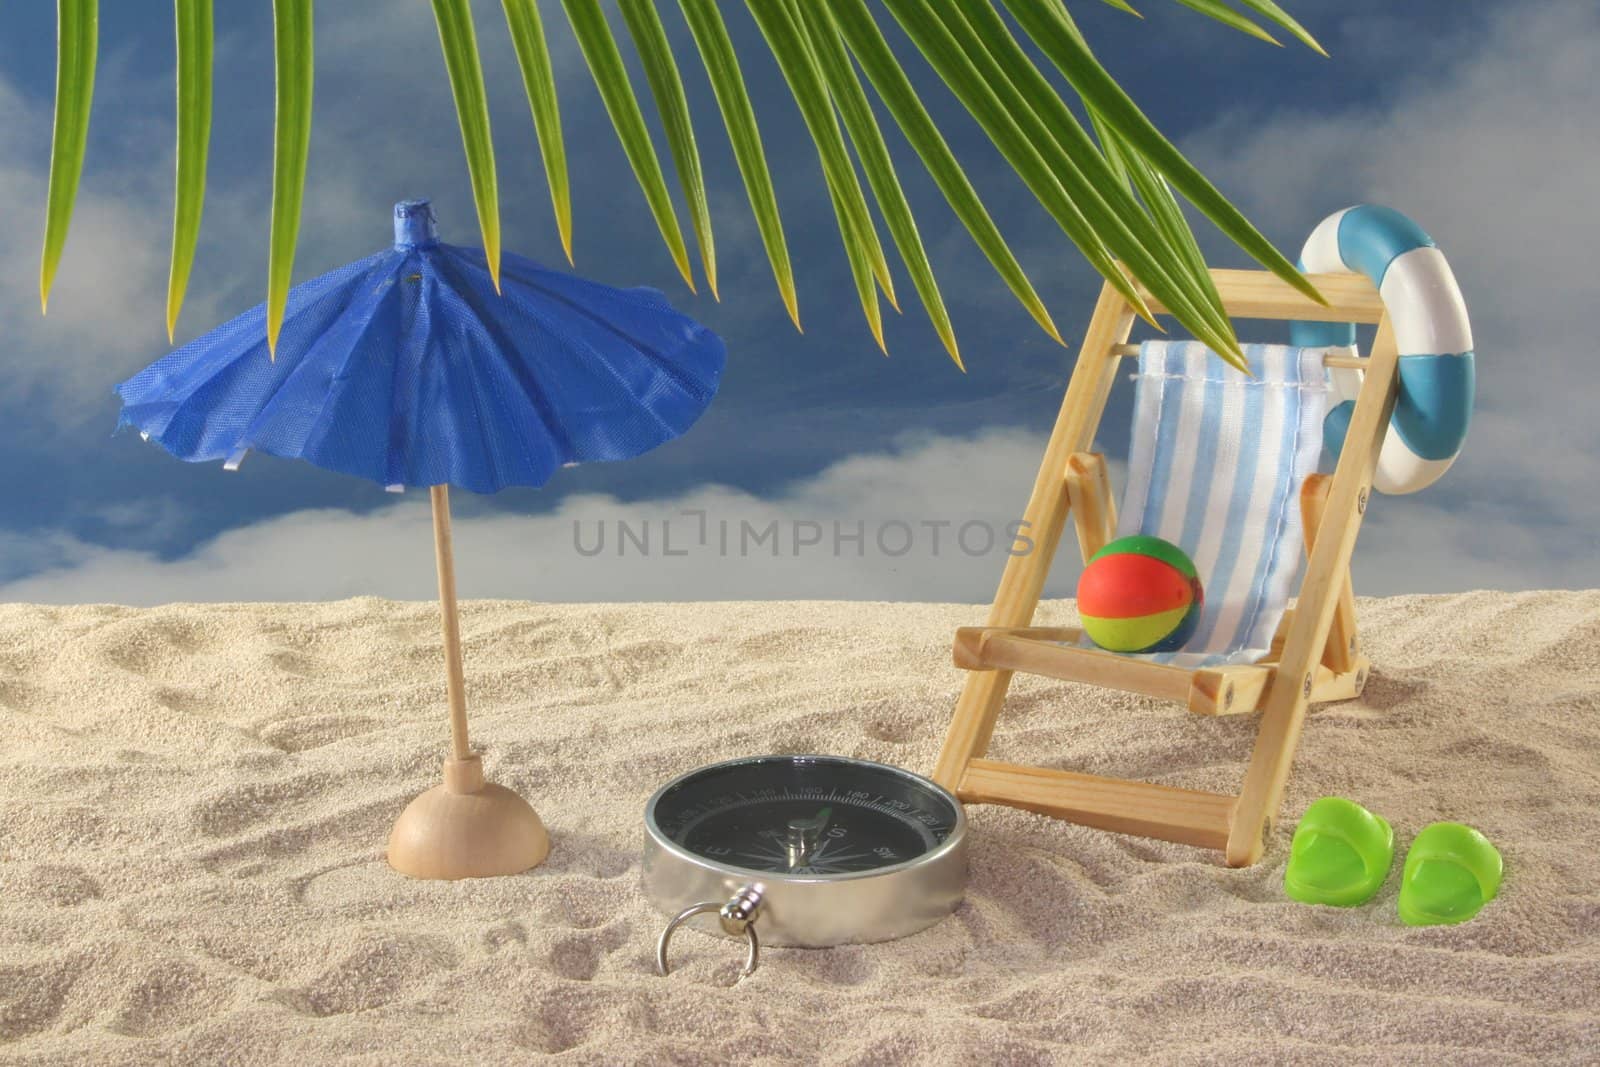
{"x": 1476, "y": 118}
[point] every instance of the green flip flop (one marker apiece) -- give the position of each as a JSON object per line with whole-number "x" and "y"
{"x": 1340, "y": 854}
{"x": 1451, "y": 872}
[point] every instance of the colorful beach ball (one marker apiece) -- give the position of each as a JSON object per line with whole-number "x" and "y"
{"x": 1140, "y": 594}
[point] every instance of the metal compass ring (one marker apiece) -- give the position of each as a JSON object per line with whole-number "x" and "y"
{"x": 752, "y": 957}
{"x": 840, "y": 850}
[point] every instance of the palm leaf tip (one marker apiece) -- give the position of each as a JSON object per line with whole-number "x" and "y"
{"x": 1221, "y": 12}
{"x": 744, "y": 135}
{"x": 194, "y": 55}
{"x": 538, "y": 80}
{"x": 953, "y": 350}
{"x": 791, "y": 302}
{"x": 564, "y": 232}
{"x": 1270, "y": 10}
{"x": 459, "y": 42}
{"x": 600, "y": 53}
{"x": 294, "y": 75}
{"x": 851, "y": 101}
{"x": 1048, "y": 325}
{"x": 780, "y": 25}
{"x": 666, "y": 86}
{"x": 77, "y": 38}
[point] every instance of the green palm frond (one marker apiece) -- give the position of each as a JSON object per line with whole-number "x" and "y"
{"x": 77, "y": 43}
{"x": 460, "y": 45}
{"x": 1157, "y": 197}
{"x": 1051, "y": 28}
{"x": 1084, "y": 173}
{"x": 661, "y": 70}
{"x": 1115, "y": 194}
{"x": 854, "y": 108}
{"x": 722, "y": 68}
{"x": 1220, "y": 12}
{"x": 291, "y": 139}
{"x": 539, "y": 80}
{"x": 867, "y": 45}
{"x": 798, "y": 63}
{"x": 194, "y": 31}
{"x": 599, "y": 50}
{"x": 927, "y": 28}
{"x": 1271, "y": 11}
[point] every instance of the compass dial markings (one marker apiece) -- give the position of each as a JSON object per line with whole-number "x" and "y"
{"x": 776, "y": 817}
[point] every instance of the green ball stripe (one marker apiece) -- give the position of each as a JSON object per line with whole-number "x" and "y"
{"x": 1155, "y": 547}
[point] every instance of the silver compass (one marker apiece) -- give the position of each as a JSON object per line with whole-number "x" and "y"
{"x": 816, "y": 850}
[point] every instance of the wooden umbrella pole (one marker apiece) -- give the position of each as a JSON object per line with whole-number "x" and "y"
{"x": 463, "y": 827}
{"x": 455, "y": 681}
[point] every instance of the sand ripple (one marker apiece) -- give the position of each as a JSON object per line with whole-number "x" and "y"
{"x": 194, "y": 802}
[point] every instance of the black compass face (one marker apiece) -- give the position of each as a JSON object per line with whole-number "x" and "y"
{"x": 805, "y": 815}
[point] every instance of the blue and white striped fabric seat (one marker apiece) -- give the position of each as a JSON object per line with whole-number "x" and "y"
{"x": 1216, "y": 466}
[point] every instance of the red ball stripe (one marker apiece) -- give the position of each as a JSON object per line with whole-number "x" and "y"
{"x": 1127, "y": 586}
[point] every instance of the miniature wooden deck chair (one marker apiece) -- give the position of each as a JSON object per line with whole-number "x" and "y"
{"x": 1212, "y": 449}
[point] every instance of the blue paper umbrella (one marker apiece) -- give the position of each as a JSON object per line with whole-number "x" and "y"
{"x": 409, "y": 369}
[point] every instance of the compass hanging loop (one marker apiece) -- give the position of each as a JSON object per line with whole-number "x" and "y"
{"x": 737, "y": 916}
{"x": 739, "y": 913}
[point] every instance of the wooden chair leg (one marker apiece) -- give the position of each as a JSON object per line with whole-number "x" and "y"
{"x": 1043, "y": 522}
{"x": 1094, "y": 509}
{"x": 971, "y": 726}
{"x": 1340, "y": 654}
{"x": 1285, "y": 712}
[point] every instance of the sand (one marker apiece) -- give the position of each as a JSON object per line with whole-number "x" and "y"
{"x": 194, "y": 801}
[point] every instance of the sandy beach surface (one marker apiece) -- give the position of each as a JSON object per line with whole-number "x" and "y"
{"x": 194, "y": 802}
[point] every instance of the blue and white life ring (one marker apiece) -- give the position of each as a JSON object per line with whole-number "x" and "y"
{"x": 1436, "y": 371}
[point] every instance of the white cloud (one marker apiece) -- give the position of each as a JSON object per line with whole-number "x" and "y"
{"x": 962, "y": 492}
{"x": 897, "y": 499}
{"x": 1491, "y": 143}
{"x": 112, "y": 272}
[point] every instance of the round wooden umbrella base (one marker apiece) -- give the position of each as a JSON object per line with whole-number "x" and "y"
{"x": 467, "y": 828}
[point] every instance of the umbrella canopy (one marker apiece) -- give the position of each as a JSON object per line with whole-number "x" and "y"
{"x": 408, "y": 368}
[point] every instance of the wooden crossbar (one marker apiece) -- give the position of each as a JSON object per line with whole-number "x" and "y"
{"x": 1053, "y": 652}
{"x": 1188, "y": 816}
{"x": 1226, "y": 690}
{"x": 988, "y": 648}
{"x": 1256, "y": 294}
{"x": 1341, "y": 362}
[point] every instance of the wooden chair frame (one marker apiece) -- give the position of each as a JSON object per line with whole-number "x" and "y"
{"x": 1315, "y": 656}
